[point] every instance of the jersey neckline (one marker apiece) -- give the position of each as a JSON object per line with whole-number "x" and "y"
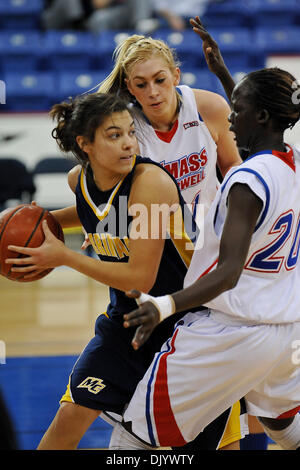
{"x": 286, "y": 157}
{"x": 167, "y": 136}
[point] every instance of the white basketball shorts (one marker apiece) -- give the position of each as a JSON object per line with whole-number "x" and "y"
{"x": 211, "y": 362}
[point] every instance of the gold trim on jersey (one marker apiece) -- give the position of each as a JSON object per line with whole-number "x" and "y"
{"x": 180, "y": 238}
{"x": 234, "y": 428}
{"x": 67, "y": 396}
{"x": 100, "y": 214}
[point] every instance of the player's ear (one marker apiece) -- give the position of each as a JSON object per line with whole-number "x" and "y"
{"x": 82, "y": 142}
{"x": 177, "y": 76}
{"x": 129, "y": 87}
{"x": 263, "y": 116}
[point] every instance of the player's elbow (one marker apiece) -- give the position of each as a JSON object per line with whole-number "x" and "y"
{"x": 142, "y": 282}
{"x": 232, "y": 277}
{"x": 230, "y": 273}
{"x": 144, "y": 286}
{"x": 232, "y": 282}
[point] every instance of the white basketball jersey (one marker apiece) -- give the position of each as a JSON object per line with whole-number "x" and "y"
{"x": 188, "y": 152}
{"x": 268, "y": 289}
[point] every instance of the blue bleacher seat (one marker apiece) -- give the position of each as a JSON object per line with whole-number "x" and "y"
{"x": 53, "y": 164}
{"x": 198, "y": 78}
{"x": 69, "y": 50}
{"x": 50, "y": 172}
{"x": 20, "y": 51}
{"x": 231, "y": 13}
{"x": 237, "y": 74}
{"x": 285, "y": 40}
{"x": 297, "y": 15}
{"x": 20, "y": 14}
{"x": 236, "y": 45}
{"x": 76, "y": 83}
{"x": 16, "y": 182}
{"x": 186, "y": 44}
{"x": 105, "y": 44}
{"x": 273, "y": 13}
{"x": 29, "y": 92}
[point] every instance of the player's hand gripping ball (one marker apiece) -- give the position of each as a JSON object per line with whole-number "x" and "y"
{"x": 22, "y": 226}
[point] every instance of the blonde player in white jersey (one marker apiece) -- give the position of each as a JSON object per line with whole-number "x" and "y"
{"x": 182, "y": 128}
{"x": 248, "y": 277}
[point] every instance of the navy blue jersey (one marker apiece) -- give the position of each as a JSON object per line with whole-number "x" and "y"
{"x": 104, "y": 216}
{"x": 108, "y": 370}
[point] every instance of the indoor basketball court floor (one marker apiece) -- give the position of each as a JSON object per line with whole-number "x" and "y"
{"x": 44, "y": 325}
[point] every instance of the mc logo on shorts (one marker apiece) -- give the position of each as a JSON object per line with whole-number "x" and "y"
{"x": 93, "y": 384}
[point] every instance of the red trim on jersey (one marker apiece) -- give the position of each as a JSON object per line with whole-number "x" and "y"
{"x": 286, "y": 157}
{"x": 290, "y": 413}
{"x": 209, "y": 269}
{"x": 167, "y": 136}
{"x": 166, "y": 426}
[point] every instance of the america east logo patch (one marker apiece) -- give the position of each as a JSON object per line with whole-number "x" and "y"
{"x": 93, "y": 384}
{"x": 190, "y": 124}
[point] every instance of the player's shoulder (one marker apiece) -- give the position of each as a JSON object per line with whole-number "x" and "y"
{"x": 153, "y": 179}
{"x": 152, "y": 172}
{"x": 256, "y": 169}
{"x": 147, "y": 166}
{"x": 210, "y": 104}
{"x": 73, "y": 176}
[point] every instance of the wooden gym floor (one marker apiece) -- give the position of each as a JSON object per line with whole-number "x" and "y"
{"x": 44, "y": 325}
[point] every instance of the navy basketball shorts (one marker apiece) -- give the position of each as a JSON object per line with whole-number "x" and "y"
{"x": 108, "y": 370}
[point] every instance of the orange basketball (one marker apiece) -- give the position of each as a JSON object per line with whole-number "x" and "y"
{"x": 22, "y": 226}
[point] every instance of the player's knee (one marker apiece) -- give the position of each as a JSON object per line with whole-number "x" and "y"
{"x": 64, "y": 419}
{"x": 69, "y": 423}
{"x": 66, "y": 412}
{"x": 276, "y": 424}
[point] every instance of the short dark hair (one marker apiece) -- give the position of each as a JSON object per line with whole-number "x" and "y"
{"x": 273, "y": 90}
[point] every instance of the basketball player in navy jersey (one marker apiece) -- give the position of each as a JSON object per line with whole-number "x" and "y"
{"x": 116, "y": 193}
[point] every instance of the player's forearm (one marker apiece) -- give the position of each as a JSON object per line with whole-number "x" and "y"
{"x": 227, "y": 81}
{"x": 207, "y": 288}
{"x": 67, "y": 217}
{"x": 122, "y": 276}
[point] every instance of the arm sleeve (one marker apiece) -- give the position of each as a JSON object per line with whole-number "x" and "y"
{"x": 258, "y": 185}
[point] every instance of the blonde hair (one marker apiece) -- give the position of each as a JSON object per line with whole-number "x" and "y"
{"x": 134, "y": 49}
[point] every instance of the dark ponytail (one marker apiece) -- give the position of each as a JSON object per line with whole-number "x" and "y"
{"x": 62, "y": 113}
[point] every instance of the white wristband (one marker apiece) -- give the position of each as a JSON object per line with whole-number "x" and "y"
{"x": 164, "y": 304}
